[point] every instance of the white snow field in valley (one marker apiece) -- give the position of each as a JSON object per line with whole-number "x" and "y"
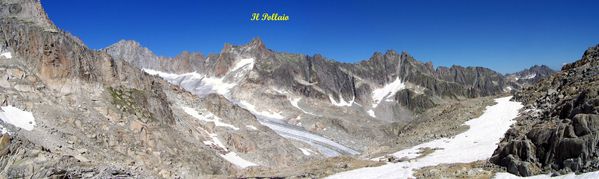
{"x": 477, "y": 143}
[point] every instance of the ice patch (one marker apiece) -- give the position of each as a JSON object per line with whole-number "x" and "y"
{"x": 17, "y": 117}
{"x": 238, "y": 161}
{"x": 208, "y": 117}
{"x": 477, "y": 143}
{"x": 386, "y": 91}
{"x": 589, "y": 175}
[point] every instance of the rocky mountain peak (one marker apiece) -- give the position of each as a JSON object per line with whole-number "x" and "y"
{"x": 257, "y": 43}
{"x": 590, "y": 57}
{"x": 27, "y": 11}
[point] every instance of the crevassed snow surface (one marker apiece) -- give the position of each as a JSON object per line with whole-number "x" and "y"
{"x": 6, "y": 55}
{"x": 386, "y": 91}
{"x": 208, "y": 117}
{"x": 17, "y": 117}
{"x": 236, "y": 160}
{"x": 590, "y": 175}
{"x": 477, "y": 143}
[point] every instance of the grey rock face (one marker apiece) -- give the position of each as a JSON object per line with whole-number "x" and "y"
{"x": 558, "y": 131}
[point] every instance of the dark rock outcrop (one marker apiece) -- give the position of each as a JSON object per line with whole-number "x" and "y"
{"x": 558, "y": 132}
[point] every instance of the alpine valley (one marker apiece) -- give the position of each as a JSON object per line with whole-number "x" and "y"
{"x": 68, "y": 111}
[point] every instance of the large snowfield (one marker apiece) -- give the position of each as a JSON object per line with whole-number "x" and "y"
{"x": 477, "y": 143}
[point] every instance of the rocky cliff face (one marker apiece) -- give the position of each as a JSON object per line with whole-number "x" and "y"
{"x": 558, "y": 132}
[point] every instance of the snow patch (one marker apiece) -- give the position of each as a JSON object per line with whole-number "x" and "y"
{"x": 196, "y": 83}
{"x": 306, "y": 151}
{"x": 238, "y": 161}
{"x": 17, "y": 117}
{"x": 203, "y": 85}
{"x": 251, "y": 127}
{"x": 342, "y": 101}
{"x": 6, "y": 55}
{"x": 386, "y": 91}
{"x": 530, "y": 76}
{"x": 477, "y": 143}
{"x": 243, "y": 63}
{"x": 208, "y": 117}
{"x": 589, "y": 175}
{"x": 3, "y": 130}
{"x": 371, "y": 113}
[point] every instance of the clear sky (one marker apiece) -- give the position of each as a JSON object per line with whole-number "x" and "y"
{"x": 507, "y": 35}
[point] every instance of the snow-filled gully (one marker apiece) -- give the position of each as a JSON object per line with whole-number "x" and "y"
{"x": 477, "y": 143}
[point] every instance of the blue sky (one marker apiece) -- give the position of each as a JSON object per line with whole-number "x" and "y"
{"x": 506, "y": 36}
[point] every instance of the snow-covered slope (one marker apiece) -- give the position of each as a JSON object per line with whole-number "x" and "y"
{"x": 477, "y": 143}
